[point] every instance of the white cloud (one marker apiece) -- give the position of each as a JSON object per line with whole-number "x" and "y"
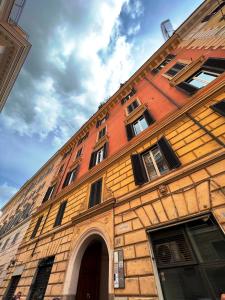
{"x": 6, "y": 192}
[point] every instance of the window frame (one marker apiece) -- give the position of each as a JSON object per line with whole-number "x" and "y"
{"x": 93, "y": 198}
{"x": 133, "y": 105}
{"x": 60, "y": 213}
{"x": 102, "y": 133}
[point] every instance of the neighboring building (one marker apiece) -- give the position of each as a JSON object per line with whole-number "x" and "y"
{"x": 167, "y": 29}
{"x": 139, "y": 204}
{"x": 14, "y": 46}
{"x": 16, "y": 214}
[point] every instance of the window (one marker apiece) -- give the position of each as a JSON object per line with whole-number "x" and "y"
{"x": 36, "y": 227}
{"x": 60, "y": 214}
{"x": 98, "y": 156}
{"x": 67, "y": 153}
{"x": 125, "y": 99}
{"x": 210, "y": 70}
{"x": 49, "y": 193}
{"x": 219, "y": 107}
{"x": 102, "y": 133}
{"x": 175, "y": 69}
{"x": 4, "y": 246}
{"x": 163, "y": 64}
{"x": 70, "y": 177}
{"x": 15, "y": 238}
{"x": 102, "y": 121}
{"x": 190, "y": 255}
{"x": 82, "y": 139}
{"x": 61, "y": 169}
{"x": 132, "y": 106}
{"x": 154, "y": 162}
{"x": 10, "y": 292}
{"x": 38, "y": 288}
{"x": 214, "y": 12}
{"x": 79, "y": 152}
{"x": 139, "y": 125}
{"x": 95, "y": 193}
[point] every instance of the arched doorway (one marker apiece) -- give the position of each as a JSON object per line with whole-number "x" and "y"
{"x": 94, "y": 269}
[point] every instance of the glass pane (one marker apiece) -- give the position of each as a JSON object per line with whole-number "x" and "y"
{"x": 160, "y": 161}
{"x": 207, "y": 240}
{"x": 183, "y": 284}
{"x": 216, "y": 276}
{"x": 197, "y": 83}
{"x": 206, "y": 76}
{"x": 149, "y": 166}
{"x": 143, "y": 123}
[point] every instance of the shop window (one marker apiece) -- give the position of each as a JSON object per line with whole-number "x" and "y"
{"x": 132, "y": 106}
{"x": 191, "y": 254}
{"x": 209, "y": 71}
{"x": 49, "y": 193}
{"x": 38, "y": 288}
{"x": 71, "y": 176}
{"x": 154, "y": 162}
{"x": 219, "y": 107}
{"x": 139, "y": 125}
{"x": 98, "y": 155}
{"x": 95, "y": 193}
{"x": 36, "y": 227}
{"x": 168, "y": 58}
{"x": 60, "y": 214}
{"x": 131, "y": 94}
{"x": 175, "y": 69}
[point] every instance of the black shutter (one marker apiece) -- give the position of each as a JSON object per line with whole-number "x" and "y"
{"x": 67, "y": 179}
{"x": 140, "y": 176}
{"x": 168, "y": 153}
{"x": 107, "y": 116}
{"x": 148, "y": 117}
{"x": 36, "y": 227}
{"x": 130, "y": 132}
{"x": 60, "y": 213}
{"x": 92, "y": 160}
{"x": 219, "y": 108}
{"x": 187, "y": 87}
{"x": 95, "y": 193}
{"x": 97, "y": 123}
{"x": 215, "y": 64}
{"x": 106, "y": 147}
{"x": 47, "y": 194}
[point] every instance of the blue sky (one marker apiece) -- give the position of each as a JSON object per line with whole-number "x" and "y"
{"x": 81, "y": 52}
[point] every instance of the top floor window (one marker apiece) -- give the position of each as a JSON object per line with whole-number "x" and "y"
{"x": 102, "y": 121}
{"x": 67, "y": 153}
{"x": 214, "y": 12}
{"x": 168, "y": 58}
{"x": 125, "y": 99}
{"x": 79, "y": 152}
{"x": 83, "y": 138}
{"x": 132, "y": 106}
{"x": 175, "y": 69}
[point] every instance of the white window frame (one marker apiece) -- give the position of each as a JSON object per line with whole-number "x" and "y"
{"x": 99, "y": 156}
{"x": 206, "y": 82}
{"x": 135, "y": 100}
{"x": 137, "y": 122}
{"x": 71, "y": 176}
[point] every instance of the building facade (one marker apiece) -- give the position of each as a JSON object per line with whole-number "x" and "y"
{"x": 16, "y": 214}
{"x": 138, "y": 210}
{"x": 14, "y": 46}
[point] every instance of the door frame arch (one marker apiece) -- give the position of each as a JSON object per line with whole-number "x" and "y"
{"x": 73, "y": 268}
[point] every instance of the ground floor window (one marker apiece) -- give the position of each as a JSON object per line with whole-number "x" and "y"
{"x": 190, "y": 259}
{"x": 40, "y": 284}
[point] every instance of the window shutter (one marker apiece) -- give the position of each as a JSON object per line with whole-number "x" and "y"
{"x": 60, "y": 213}
{"x": 219, "y": 108}
{"x": 107, "y": 116}
{"x": 36, "y": 227}
{"x": 95, "y": 193}
{"x": 188, "y": 88}
{"x": 130, "y": 132}
{"x": 92, "y": 160}
{"x": 148, "y": 117}
{"x": 97, "y": 124}
{"x": 66, "y": 181}
{"x": 106, "y": 147}
{"x": 47, "y": 194}
{"x": 168, "y": 153}
{"x": 140, "y": 176}
{"x": 215, "y": 64}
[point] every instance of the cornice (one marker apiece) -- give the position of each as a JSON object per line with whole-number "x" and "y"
{"x": 156, "y": 129}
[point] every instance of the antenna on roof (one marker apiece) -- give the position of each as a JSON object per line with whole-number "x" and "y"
{"x": 167, "y": 29}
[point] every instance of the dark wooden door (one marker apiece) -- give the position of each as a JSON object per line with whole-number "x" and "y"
{"x": 89, "y": 276}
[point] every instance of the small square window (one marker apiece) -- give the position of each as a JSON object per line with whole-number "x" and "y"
{"x": 132, "y": 106}
{"x": 175, "y": 69}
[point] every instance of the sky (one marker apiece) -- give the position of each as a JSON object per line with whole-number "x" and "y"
{"x": 81, "y": 52}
